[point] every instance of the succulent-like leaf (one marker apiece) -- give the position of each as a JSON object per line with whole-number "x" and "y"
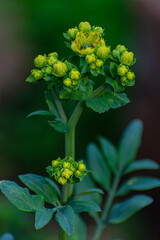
{"x": 40, "y": 113}
{"x": 59, "y": 125}
{"x": 84, "y": 206}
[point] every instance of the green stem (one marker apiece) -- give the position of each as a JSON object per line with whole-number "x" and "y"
{"x": 99, "y": 90}
{"x": 70, "y": 151}
{"x": 101, "y": 225}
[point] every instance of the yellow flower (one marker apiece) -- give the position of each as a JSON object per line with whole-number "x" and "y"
{"x": 67, "y": 82}
{"x": 99, "y": 63}
{"x": 130, "y": 76}
{"x": 81, "y": 167}
{"x": 62, "y": 180}
{"x": 122, "y": 70}
{"x": 93, "y": 66}
{"x": 60, "y": 69}
{"x": 127, "y": 58}
{"x": 74, "y": 74}
{"x": 67, "y": 173}
{"x": 49, "y": 70}
{"x": 90, "y": 58}
{"x": 85, "y": 27}
{"x": 66, "y": 164}
{"x": 55, "y": 163}
{"x": 103, "y": 52}
{"x": 40, "y": 61}
{"x": 78, "y": 173}
{"x": 52, "y": 60}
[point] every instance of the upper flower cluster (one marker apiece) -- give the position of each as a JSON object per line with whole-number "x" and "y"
{"x": 67, "y": 170}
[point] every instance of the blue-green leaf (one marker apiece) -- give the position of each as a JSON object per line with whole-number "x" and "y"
{"x": 138, "y": 184}
{"x": 84, "y": 206}
{"x": 140, "y": 165}
{"x": 65, "y": 218}
{"x": 39, "y": 185}
{"x": 59, "y": 125}
{"x": 107, "y": 100}
{"x": 51, "y": 104}
{"x": 7, "y": 236}
{"x": 79, "y": 232}
{"x": 40, "y": 113}
{"x": 110, "y": 153}
{"x": 20, "y": 197}
{"x": 98, "y": 165}
{"x": 115, "y": 84}
{"x": 89, "y": 191}
{"x": 43, "y": 216}
{"x": 130, "y": 142}
{"x": 122, "y": 211}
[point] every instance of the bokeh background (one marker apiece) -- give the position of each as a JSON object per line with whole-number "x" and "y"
{"x": 32, "y": 27}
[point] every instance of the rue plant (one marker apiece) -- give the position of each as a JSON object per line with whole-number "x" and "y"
{"x": 94, "y": 76}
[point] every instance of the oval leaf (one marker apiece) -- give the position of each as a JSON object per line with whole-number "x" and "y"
{"x": 84, "y": 206}
{"x": 122, "y": 211}
{"x": 40, "y": 113}
{"x": 51, "y": 104}
{"x": 59, "y": 125}
{"x": 138, "y": 184}
{"x": 89, "y": 191}
{"x": 79, "y": 232}
{"x": 42, "y": 217}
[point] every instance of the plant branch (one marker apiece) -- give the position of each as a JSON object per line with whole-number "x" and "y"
{"x": 99, "y": 90}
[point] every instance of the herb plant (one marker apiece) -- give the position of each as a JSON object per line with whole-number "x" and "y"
{"x": 95, "y": 76}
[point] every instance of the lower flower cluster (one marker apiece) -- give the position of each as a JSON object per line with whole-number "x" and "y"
{"x": 66, "y": 170}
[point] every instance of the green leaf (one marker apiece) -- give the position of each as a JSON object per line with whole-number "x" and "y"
{"x": 31, "y": 79}
{"x": 84, "y": 66}
{"x": 20, "y": 197}
{"x": 130, "y": 142}
{"x": 110, "y": 153}
{"x": 89, "y": 191}
{"x": 53, "y": 186}
{"x": 79, "y": 232}
{"x": 7, "y": 236}
{"x": 41, "y": 113}
{"x": 122, "y": 211}
{"x": 138, "y": 184}
{"x": 65, "y": 218}
{"x": 43, "y": 216}
{"x": 39, "y": 185}
{"x": 51, "y": 104}
{"x": 117, "y": 87}
{"x": 140, "y": 165}
{"x": 59, "y": 125}
{"x": 113, "y": 69}
{"x": 84, "y": 206}
{"x": 107, "y": 100}
{"x": 98, "y": 165}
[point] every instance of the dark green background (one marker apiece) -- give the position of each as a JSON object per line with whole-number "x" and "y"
{"x": 32, "y": 27}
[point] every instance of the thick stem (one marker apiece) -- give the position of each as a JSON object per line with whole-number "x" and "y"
{"x": 101, "y": 225}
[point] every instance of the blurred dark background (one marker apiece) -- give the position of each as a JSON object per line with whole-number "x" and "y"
{"x": 32, "y": 27}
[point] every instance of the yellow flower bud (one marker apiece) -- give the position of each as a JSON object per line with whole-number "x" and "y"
{"x": 52, "y": 60}
{"x": 67, "y": 173}
{"x": 98, "y": 30}
{"x": 103, "y": 52}
{"x": 37, "y": 74}
{"x": 40, "y": 61}
{"x": 58, "y": 174}
{"x": 53, "y": 54}
{"x": 85, "y": 27}
{"x": 122, "y": 70}
{"x": 121, "y": 48}
{"x": 74, "y": 74}
{"x": 74, "y": 83}
{"x": 60, "y": 69}
{"x": 66, "y": 164}
{"x": 55, "y": 163}
{"x": 73, "y": 32}
{"x": 124, "y": 80}
{"x": 115, "y": 53}
{"x": 130, "y": 76}
{"x": 90, "y": 58}
{"x": 99, "y": 63}
{"x": 67, "y": 82}
{"x": 127, "y": 58}
{"x": 92, "y": 66}
{"x": 72, "y": 169}
{"x": 81, "y": 167}
{"x": 62, "y": 180}
{"x": 88, "y": 50}
{"x": 49, "y": 70}
{"x": 78, "y": 173}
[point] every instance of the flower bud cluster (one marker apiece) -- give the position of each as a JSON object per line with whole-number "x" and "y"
{"x": 123, "y": 60}
{"x": 67, "y": 170}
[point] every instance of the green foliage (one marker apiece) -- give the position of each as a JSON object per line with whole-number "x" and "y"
{"x": 7, "y": 236}
{"x": 42, "y": 217}
{"x": 79, "y": 232}
{"x": 122, "y": 211}
{"x": 59, "y": 125}
{"x": 107, "y": 100}
{"x": 51, "y": 104}
{"x": 40, "y": 113}
{"x": 84, "y": 206}
{"x": 65, "y": 218}
{"x": 89, "y": 191}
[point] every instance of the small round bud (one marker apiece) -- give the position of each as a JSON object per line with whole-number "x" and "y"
{"x": 62, "y": 180}
{"x": 124, "y": 80}
{"x": 72, "y": 169}
{"x": 67, "y": 173}
{"x": 85, "y": 27}
{"x": 52, "y": 60}
{"x": 55, "y": 163}
{"x": 74, "y": 83}
{"x": 90, "y": 58}
{"x": 66, "y": 164}
{"x": 121, "y": 48}
{"x": 99, "y": 63}
{"x": 58, "y": 174}
{"x": 122, "y": 70}
{"x": 37, "y": 74}
{"x": 103, "y": 52}
{"x": 60, "y": 69}
{"x": 115, "y": 53}
{"x": 73, "y": 32}
{"x": 98, "y": 30}
{"x": 53, "y": 54}
{"x": 49, "y": 70}
{"x": 93, "y": 66}
{"x": 67, "y": 82}
{"x": 40, "y": 61}
{"x": 81, "y": 167}
{"x": 88, "y": 50}
{"x": 78, "y": 173}
{"x": 127, "y": 58}
{"x": 74, "y": 74}
{"x": 130, "y": 76}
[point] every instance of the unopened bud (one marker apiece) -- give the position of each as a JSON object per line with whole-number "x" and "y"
{"x": 53, "y": 54}
{"x": 73, "y": 32}
{"x": 90, "y": 58}
{"x": 37, "y": 74}
{"x": 74, "y": 74}
{"x": 85, "y": 27}
{"x": 55, "y": 163}
{"x": 60, "y": 69}
{"x": 122, "y": 70}
{"x": 99, "y": 63}
{"x": 103, "y": 52}
{"x": 92, "y": 66}
{"x": 62, "y": 180}
{"x": 52, "y": 60}
{"x": 127, "y": 58}
{"x": 67, "y": 173}
{"x": 98, "y": 30}
{"x": 81, "y": 167}
{"x": 130, "y": 76}
{"x": 121, "y": 48}
{"x": 67, "y": 82}
{"x": 40, "y": 61}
